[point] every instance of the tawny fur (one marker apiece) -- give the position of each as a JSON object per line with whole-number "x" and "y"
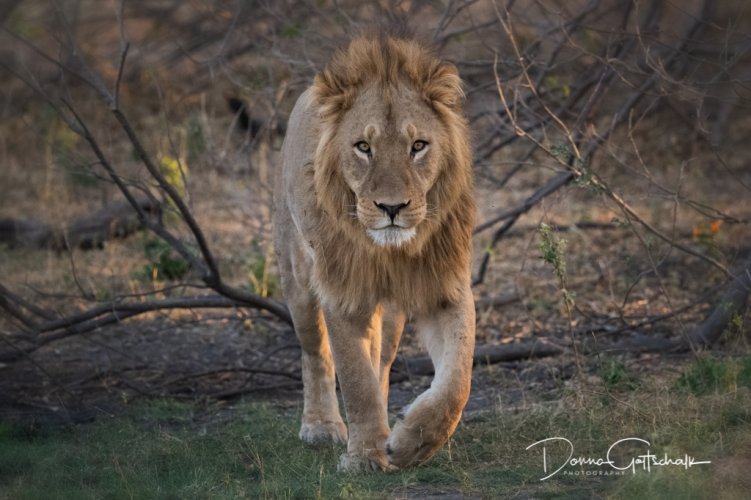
{"x": 391, "y": 92}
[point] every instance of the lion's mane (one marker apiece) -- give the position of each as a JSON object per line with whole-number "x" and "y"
{"x": 433, "y": 268}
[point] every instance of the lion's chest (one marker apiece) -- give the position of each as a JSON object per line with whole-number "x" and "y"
{"x": 357, "y": 280}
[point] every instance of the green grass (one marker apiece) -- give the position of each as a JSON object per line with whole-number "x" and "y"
{"x": 163, "y": 449}
{"x": 707, "y": 375}
{"x": 615, "y": 376}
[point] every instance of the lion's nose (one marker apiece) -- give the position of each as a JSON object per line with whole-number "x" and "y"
{"x": 391, "y": 210}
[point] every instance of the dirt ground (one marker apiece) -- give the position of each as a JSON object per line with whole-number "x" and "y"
{"x": 214, "y": 359}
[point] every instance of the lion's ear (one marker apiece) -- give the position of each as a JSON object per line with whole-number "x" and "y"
{"x": 328, "y": 89}
{"x": 445, "y": 86}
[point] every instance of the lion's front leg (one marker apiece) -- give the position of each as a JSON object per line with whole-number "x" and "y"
{"x": 392, "y": 328}
{"x": 321, "y": 421}
{"x": 449, "y": 334}
{"x": 351, "y": 338}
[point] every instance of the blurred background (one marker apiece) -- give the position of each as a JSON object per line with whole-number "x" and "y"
{"x": 139, "y": 141}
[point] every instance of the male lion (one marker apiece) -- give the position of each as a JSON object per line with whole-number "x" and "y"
{"x": 373, "y": 221}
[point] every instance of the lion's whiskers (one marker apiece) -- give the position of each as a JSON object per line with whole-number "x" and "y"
{"x": 352, "y": 213}
{"x": 431, "y": 212}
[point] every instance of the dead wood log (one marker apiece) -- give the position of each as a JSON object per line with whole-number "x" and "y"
{"x": 116, "y": 221}
{"x": 498, "y": 300}
{"x": 403, "y": 368}
{"x": 484, "y": 355}
{"x": 732, "y": 302}
{"x": 27, "y": 233}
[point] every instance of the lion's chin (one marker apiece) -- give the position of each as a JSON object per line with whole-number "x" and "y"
{"x": 392, "y": 236}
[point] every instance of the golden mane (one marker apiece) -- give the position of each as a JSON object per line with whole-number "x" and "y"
{"x": 431, "y": 269}
{"x": 387, "y": 62}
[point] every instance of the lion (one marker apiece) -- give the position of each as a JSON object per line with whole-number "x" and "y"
{"x": 372, "y": 223}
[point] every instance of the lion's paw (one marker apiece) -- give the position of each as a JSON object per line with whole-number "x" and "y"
{"x": 412, "y": 444}
{"x": 319, "y": 433}
{"x": 372, "y": 461}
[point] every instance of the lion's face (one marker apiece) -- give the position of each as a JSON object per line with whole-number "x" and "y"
{"x": 390, "y": 150}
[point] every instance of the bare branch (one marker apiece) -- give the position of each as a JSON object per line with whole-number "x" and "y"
{"x": 120, "y": 67}
{"x": 110, "y": 313}
{"x": 513, "y": 215}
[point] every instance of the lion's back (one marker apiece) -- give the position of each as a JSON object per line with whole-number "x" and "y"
{"x": 294, "y": 192}
{"x": 298, "y": 150}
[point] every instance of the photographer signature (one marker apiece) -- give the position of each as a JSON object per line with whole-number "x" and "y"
{"x": 644, "y": 461}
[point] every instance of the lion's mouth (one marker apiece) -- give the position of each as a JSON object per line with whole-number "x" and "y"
{"x": 392, "y": 235}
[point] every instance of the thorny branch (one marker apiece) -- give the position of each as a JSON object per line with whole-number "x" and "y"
{"x": 576, "y": 156}
{"x": 576, "y": 164}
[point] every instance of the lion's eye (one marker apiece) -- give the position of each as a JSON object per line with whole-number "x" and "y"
{"x": 363, "y": 147}
{"x": 418, "y": 146}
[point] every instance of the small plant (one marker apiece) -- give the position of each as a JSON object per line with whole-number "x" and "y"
{"x": 585, "y": 179}
{"x": 615, "y": 376}
{"x": 293, "y": 30}
{"x": 262, "y": 280}
{"x": 735, "y": 326}
{"x": 613, "y": 373}
{"x": 552, "y": 250}
{"x": 707, "y": 375}
{"x": 736, "y": 414}
{"x": 710, "y": 375}
{"x": 195, "y": 136}
{"x": 164, "y": 263}
{"x": 744, "y": 371}
{"x": 705, "y": 232}
{"x": 555, "y": 83}
{"x": 62, "y": 150}
{"x": 174, "y": 172}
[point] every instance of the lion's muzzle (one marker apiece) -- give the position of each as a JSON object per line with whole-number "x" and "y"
{"x": 392, "y": 210}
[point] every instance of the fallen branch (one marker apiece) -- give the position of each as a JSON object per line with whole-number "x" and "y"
{"x": 115, "y": 312}
{"x": 253, "y": 371}
{"x": 549, "y": 188}
{"x": 403, "y": 368}
{"x": 235, "y": 393}
{"x": 498, "y": 300}
{"x": 731, "y": 303}
{"x": 484, "y": 355}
